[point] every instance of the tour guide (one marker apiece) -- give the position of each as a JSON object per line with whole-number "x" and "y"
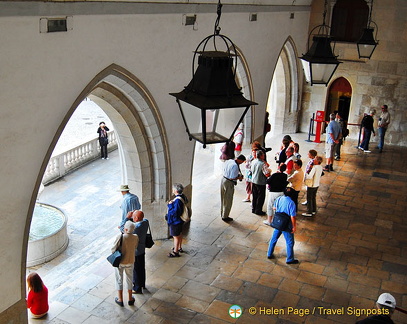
{"x": 231, "y": 173}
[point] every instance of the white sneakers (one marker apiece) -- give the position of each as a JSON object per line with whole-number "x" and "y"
{"x": 361, "y": 148}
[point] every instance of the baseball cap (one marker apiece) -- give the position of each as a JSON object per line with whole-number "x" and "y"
{"x": 387, "y": 300}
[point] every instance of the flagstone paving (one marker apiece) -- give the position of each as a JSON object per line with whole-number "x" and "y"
{"x": 354, "y": 249}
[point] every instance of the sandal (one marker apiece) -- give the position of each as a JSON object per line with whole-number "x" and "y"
{"x": 179, "y": 250}
{"x": 173, "y": 255}
{"x": 131, "y": 302}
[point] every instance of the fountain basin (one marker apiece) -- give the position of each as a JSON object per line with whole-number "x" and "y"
{"x": 48, "y": 234}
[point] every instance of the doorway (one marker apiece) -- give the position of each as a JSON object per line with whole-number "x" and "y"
{"x": 339, "y": 98}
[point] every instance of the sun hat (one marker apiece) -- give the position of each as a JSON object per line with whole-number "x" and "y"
{"x": 124, "y": 188}
{"x": 387, "y": 300}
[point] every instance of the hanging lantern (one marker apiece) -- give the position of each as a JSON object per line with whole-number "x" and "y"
{"x": 212, "y": 105}
{"x": 319, "y": 62}
{"x": 367, "y": 43}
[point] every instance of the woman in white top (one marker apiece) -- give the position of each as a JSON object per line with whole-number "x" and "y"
{"x": 128, "y": 249}
{"x": 312, "y": 182}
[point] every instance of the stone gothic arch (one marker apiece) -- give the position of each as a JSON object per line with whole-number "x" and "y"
{"x": 141, "y": 137}
{"x": 244, "y": 80}
{"x": 283, "y": 100}
{"x": 140, "y": 129}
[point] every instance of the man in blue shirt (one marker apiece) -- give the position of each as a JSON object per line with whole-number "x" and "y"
{"x": 284, "y": 204}
{"x": 333, "y": 135}
{"x": 231, "y": 173}
{"x": 130, "y": 201}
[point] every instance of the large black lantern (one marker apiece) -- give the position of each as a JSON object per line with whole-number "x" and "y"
{"x": 319, "y": 62}
{"x": 212, "y": 106}
{"x": 367, "y": 43}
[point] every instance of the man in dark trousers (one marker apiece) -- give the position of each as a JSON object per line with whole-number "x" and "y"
{"x": 367, "y": 124}
{"x": 260, "y": 173}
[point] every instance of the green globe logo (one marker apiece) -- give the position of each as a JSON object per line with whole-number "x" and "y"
{"x": 235, "y": 311}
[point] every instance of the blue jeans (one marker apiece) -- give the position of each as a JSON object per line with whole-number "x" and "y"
{"x": 289, "y": 241}
{"x": 382, "y": 132}
{"x": 366, "y": 139}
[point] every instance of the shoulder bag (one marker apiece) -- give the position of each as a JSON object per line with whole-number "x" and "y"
{"x": 282, "y": 222}
{"x": 116, "y": 256}
{"x": 149, "y": 238}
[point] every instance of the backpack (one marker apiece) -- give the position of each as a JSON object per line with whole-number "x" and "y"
{"x": 186, "y": 213}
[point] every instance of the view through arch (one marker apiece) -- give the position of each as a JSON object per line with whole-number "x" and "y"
{"x": 282, "y": 103}
{"x": 137, "y": 133}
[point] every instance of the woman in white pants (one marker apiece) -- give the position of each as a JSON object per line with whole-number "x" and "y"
{"x": 128, "y": 248}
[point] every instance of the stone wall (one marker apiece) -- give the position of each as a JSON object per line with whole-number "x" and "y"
{"x": 380, "y": 80}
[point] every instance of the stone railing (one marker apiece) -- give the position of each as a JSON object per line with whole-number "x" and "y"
{"x": 68, "y": 161}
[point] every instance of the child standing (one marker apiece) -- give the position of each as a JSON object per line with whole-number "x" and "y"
{"x": 312, "y": 186}
{"x": 311, "y": 155}
{"x": 37, "y": 300}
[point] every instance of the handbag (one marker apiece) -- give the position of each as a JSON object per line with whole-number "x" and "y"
{"x": 116, "y": 256}
{"x": 282, "y": 222}
{"x": 149, "y": 238}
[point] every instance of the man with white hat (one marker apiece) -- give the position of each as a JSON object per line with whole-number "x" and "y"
{"x": 385, "y": 304}
{"x": 130, "y": 201}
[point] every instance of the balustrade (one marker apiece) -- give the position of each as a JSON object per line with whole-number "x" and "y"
{"x": 68, "y": 161}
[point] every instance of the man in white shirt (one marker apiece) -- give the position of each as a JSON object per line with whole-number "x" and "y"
{"x": 260, "y": 173}
{"x": 231, "y": 173}
{"x": 384, "y": 121}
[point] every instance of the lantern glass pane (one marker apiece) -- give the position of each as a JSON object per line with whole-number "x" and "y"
{"x": 307, "y": 70}
{"x": 366, "y": 50}
{"x": 321, "y": 73}
{"x": 226, "y": 120}
{"x": 192, "y": 117}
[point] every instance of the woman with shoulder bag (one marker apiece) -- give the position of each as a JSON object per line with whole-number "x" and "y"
{"x": 173, "y": 217}
{"x": 129, "y": 243}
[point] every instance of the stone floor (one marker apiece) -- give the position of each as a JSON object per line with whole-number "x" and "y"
{"x": 354, "y": 249}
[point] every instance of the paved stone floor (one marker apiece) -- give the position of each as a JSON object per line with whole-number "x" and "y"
{"x": 354, "y": 249}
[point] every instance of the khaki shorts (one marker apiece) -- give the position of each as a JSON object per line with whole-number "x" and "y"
{"x": 329, "y": 150}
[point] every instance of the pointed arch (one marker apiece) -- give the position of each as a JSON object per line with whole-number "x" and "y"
{"x": 141, "y": 136}
{"x": 244, "y": 80}
{"x": 283, "y": 100}
{"x": 339, "y": 98}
